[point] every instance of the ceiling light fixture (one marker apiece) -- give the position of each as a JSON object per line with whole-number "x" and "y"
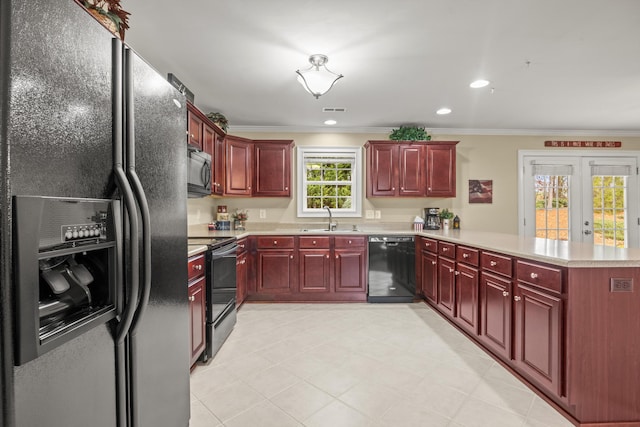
{"x": 330, "y": 122}
{"x": 479, "y": 83}
{"x": 444, "y": 110}
{"x": 318, "y": 79}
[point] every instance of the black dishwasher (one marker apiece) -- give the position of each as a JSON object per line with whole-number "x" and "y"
{"x": 392, "y": 272}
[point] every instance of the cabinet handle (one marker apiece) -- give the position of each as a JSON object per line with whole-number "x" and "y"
{"x": 349, "y": 241}
{"x": 433, "y": 263}
{"x": 505, "y": 293}
{"x": 192, "y": 298}
{"x": 275, "y": 242}
{"x": 286, "y": 188}
{"x": 314, "y": 242}
{"x": 517, "y": 298}
{"x": 457, "y": 273}
{"x": 244, "y": 261}
{"x": 429, "y": 188}
{"x": 337, "y": 257}
{"x": 291, "y": 256}
{"x": 241, "y": 246}
{"x": 393, "y": 188}
{"x": 402, "y": 188}
{"x": 493, "y": 263}
{"x": 465, "y": 255}
{"x": 534, "y": 276}
{"x": 445, "y": 249}
{"x": 427, "y": 244}
{"x": 327, "y": 256}
{"x": 451, "y": 270}
{"x": 249, "y": 188}
{"x": 197, "y": 267}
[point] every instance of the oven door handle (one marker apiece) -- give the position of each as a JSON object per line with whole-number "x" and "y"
{"x": 218, "y": 255}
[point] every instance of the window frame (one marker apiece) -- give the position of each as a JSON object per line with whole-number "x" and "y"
{"x": 356, "y": 179}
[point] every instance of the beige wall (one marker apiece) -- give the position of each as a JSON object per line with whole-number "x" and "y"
{"x": 478, "y": 157}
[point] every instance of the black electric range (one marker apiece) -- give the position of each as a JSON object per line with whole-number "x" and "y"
{"x": 220, "y": 290}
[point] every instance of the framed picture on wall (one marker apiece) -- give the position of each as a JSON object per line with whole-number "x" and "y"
{"x": 480, "y": 191}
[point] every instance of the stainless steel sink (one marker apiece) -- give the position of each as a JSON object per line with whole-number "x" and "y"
{"x": 324, "y": 230}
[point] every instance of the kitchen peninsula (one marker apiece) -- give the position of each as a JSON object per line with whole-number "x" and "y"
{"x": 559, "y": 315}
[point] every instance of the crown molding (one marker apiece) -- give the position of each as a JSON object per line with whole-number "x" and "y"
{"x": 436, "y": 131}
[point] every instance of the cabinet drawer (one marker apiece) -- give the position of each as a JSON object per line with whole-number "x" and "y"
{"x": 429, "y": 245}
{"x": 349, "y": 241}
{"x": 467, "y": 255}
{"x": 497, "y": 263}
{"x": 196, "y": 267}
{"x": 312, "y": 242}
{"x": 539, "y": 275}
{"x": 447, "y": 249}
{"x": 276, "y": 242}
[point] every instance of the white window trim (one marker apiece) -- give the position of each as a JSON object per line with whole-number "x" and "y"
{"x": 356, "y": 188}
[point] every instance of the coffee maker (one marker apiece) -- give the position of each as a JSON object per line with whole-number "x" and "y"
{"x": 432, "y": 218}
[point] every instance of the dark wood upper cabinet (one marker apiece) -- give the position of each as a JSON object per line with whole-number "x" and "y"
{"x": 206, "y": 136}
{"x": 411, "y": 168}
{"x": 441, "y": 170}
{"x": 239, "y": 159}
{"x": 194, "y": 130}
{"x": 272, "y": 176}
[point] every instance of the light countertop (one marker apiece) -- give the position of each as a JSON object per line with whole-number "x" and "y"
{"x": 562, "y": 253}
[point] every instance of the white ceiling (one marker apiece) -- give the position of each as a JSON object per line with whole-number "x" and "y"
{"x": 554, "y": 65}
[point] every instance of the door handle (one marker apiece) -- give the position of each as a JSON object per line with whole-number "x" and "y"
{"x": 587, "y": 232}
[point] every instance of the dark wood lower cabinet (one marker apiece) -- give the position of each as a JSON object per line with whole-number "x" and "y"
{"x": 430, "y": 276}
{"x": 315, "y": 270}
{"x": 446, "y": 286}
{"x": 466, "y": 300}
{"x": 241, "y": 277}
{"x": 495, "y": 313}
{"x": 350, "y": 270}
{"x": 276, "y": 271}
{"x": 197, "y": 316}
{"x": 538, "y": 336}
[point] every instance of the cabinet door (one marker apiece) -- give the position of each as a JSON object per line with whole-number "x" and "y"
{"x": 538, "y": 336}
{"x": 430, "y": 276}
{"x": 273, "y": 169}
{"x": 446, "y": 285}
{"x": 276, "y": 271}
{"x": 411, "y": 171}
{"x": 495, "y": 314}
{"x": 208, "y": 146}
{"x": 350, "y": 270}
{"x": 314, "y": 268}
{"x": 197, "y": 314}
{"x": 241, "y": 278}
{"x": 217, "y": 186}
{"x": 467, "y": 298}
{"x": 195, "y": 130}
{"x": 382, "y": 170}
{"x": 441, "y": 170}
{"x": 238, "y": 155}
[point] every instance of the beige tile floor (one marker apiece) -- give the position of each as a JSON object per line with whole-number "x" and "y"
{"x": 351, "y": 365}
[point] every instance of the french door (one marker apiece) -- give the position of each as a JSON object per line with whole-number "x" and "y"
{"x": 582, "y": 198}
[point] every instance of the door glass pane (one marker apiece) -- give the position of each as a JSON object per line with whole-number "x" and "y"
{"x": 552, "y": 206}
{"x": 610, "y": 210}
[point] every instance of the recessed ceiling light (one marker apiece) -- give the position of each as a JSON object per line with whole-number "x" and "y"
{"x": 443, "y": 110}
{"x": 479, "y": 83}
{"x": 330, "y": 122}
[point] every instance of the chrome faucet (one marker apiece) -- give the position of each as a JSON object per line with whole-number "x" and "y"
{"x": 332, "y": 225}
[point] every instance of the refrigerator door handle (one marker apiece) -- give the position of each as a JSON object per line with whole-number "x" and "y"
{"x": 138, "y": 190}
{"x": 127, "y": 193}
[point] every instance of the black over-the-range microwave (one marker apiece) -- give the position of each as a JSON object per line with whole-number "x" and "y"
{"x": 199, "y": 173}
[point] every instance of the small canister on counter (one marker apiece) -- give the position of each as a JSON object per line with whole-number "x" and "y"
{"x": 418, "y": 224}
{"x": 456, "y": 223}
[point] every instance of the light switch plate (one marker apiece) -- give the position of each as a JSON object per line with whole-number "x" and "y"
{"x": 369, "y": 214}
{"x": 378, "y": 214}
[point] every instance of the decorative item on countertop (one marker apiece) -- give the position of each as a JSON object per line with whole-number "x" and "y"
{"x": 223, "y": 225}
{"x": 418, "y": 224}
{"x": 222, "y": 209}
{"x": 110, "y": 14}
{"x": 219, "y": 120}
{"x": 211, "y": 226}
{"x": 432, "y": 218}
{"x": 222, "y": 216}
{"x": 239, "y": 217}
{"x": 446, "y": 216}
{"x": 456, "y": 222}
{"x": 409, "y": 133}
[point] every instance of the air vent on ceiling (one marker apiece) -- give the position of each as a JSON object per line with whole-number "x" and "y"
{"x": 333, "y": 110}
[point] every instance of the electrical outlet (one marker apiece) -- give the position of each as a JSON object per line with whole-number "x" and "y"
{"x": 378, "y": 214}
{"x": 369, "y": 214}
{"x": 263, "y": 213}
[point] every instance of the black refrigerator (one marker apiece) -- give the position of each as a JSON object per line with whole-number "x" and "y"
{"x": 83, "y": 117}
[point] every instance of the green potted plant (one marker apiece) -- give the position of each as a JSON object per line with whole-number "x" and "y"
{"x": 110, "y": 14}
{"x": 445, "y": 217}
{"x": 220, "y": 120}
{"x": 409, "y": 133}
